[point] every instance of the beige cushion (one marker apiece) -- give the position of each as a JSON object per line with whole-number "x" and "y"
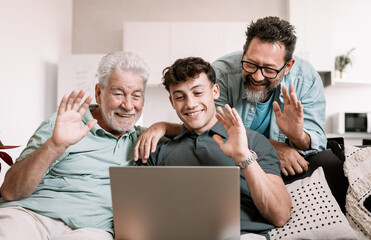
{"x": 315, "y": 214}
{"x": 357, "y": 168}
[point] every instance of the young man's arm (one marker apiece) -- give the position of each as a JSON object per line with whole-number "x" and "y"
{"x": 22, "y": 178}
{"x": 267, "y": 190}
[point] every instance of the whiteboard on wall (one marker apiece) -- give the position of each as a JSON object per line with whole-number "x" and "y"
{"x": 77, "y": 72}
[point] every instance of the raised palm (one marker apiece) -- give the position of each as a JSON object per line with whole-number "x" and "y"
{"x": 68, "y": 128}
{"x": 291, "y": 119}
{"x": 236, "y": 146}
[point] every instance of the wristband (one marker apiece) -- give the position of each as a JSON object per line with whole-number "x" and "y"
{"x": 253, "y": 157}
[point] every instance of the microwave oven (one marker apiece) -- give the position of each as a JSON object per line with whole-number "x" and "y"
{"x": 345, "y": 122}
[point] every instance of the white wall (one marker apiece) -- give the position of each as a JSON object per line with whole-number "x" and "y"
{"x": 33, "y": 35}
{"x": 97, "y": 24}
{"x": 98, "y": 28}
{"x": 327, "y": 28}
{"x": 350, "y": 22}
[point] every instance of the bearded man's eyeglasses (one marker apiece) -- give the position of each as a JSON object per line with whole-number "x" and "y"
{"x": 267, "y": 72}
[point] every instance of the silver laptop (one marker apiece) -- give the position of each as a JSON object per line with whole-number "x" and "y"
{"x": 165, "y": 203}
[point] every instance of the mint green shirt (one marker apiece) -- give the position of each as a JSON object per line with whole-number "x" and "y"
{"x": 76, "y": 187}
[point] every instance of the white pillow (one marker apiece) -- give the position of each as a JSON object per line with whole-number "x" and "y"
{"x": 357, "y": 168}
{"x": 315, "y": 214}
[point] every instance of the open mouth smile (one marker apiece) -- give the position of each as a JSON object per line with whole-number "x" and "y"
{"x": 260, "y": 83}
{"x": 193, "y": 114}
{"x": 124, "y": 115}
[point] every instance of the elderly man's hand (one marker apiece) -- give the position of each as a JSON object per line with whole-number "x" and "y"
{"x": 68, "y": 129}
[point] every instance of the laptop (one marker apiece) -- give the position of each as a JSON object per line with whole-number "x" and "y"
{"x": 165, "y": 203}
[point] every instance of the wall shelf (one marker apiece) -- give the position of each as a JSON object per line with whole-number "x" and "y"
{"x": 351, "y": 82}
{"x": 328, "y": 79}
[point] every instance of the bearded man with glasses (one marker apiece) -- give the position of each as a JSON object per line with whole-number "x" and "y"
{"x": 277, "y": 94}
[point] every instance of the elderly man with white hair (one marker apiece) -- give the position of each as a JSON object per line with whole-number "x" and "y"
{"x": 59, "y": 187}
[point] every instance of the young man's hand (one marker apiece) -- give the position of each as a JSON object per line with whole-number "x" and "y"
{"x": 236, "y": 146}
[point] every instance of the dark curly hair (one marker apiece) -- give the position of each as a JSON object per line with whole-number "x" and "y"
{"x": 273, "y": 29}
{"x": 185, "y": 68}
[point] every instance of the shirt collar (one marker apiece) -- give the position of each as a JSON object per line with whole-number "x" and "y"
{"x": 242, "y": 87}
{"x": 88, "y": 116}
{"x": 217, "y": 129}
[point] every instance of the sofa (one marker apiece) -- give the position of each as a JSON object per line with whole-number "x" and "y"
{"x": 332, "y": 199}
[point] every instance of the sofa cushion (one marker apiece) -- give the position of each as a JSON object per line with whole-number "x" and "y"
{"x": 315, "y": 214}
{"x": 357, "y": 168}
{"x": 334, "y": 174}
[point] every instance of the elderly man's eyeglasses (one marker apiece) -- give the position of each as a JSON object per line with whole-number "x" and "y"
{"x": 266, "y": 71}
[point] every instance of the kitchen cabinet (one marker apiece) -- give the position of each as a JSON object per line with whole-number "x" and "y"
{"x": 161, "y": 43}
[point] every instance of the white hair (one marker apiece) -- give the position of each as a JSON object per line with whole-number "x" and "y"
{"x": 121, "y": 62}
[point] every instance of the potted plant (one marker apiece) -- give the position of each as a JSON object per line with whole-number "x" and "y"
{"x": 4, "y": 156}
{"x": 341, "y": 62}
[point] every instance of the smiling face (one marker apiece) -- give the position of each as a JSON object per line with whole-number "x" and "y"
{"x": 120, "y": 102}
{"x": 265, "y": 54}
{"x": 193, "y": 101}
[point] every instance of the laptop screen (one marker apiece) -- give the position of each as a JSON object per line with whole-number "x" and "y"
{"x": 151, "y": 203}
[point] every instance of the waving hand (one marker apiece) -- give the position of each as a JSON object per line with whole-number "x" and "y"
{"x": 236, "y": 146}
{"x": 68, "y": 129}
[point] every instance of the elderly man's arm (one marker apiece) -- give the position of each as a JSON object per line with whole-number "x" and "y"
{"x": 267, "y": 190}
{"x": 22, "y": 178}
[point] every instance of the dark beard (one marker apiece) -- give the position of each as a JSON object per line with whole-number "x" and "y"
{"x": 254, "y": 96}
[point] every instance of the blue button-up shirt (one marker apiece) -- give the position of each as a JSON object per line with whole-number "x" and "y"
{"x": 308, "y": 88}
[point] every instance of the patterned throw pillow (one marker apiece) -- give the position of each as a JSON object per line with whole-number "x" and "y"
{"x": 315, "y": 214}
{"x": 357, "y": 168}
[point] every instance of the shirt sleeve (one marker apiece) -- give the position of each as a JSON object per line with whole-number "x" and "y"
{"x": 267, "y": 156}
{"x": 42, "y": 133}
{"x": 314, "y": 107}
{"x": 221, "y": 80}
